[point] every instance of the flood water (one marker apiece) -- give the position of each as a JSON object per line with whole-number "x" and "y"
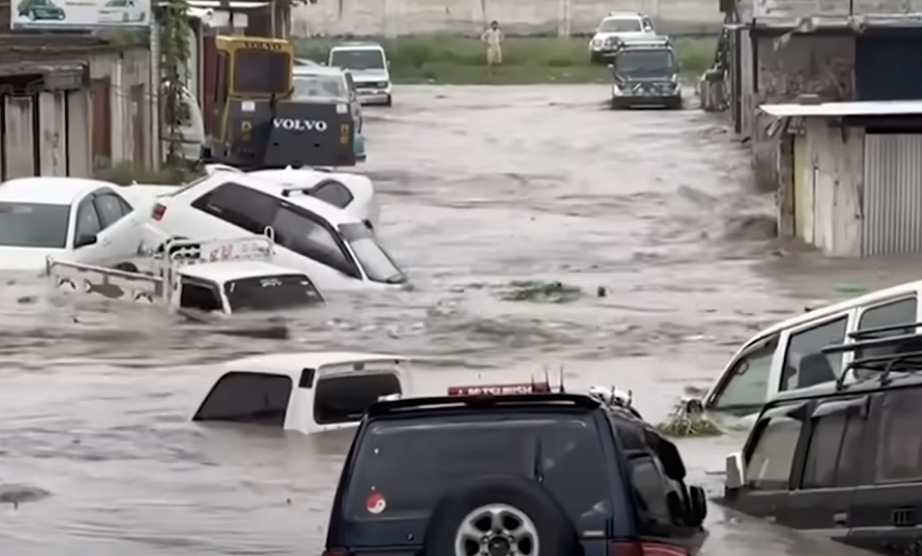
{"x": 479, "y": 187}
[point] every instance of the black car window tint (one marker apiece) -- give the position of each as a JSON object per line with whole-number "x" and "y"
{"x": 296, "y": 231}
{"x": 805, "y": 364}
{"x": 887, "y": 314}
{"x": 899, "y": 454}
{"x": 651, "y": 489}
{"x": 333, "y": 193}
{"x": 110, "y": 208}
{"x": 241, "y": 206}
{"x": 88, "y": 222}
{"x": 246, "y": 397}
{"x": 768, "y": 465}
{"x": 193, "y": 295}
{"x": 823, "y": 451}
{"x": 746, "y": 388}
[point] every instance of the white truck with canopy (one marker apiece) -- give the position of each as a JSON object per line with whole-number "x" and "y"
{"x": 198, "y": 277}
{"x": 308, "y": 392}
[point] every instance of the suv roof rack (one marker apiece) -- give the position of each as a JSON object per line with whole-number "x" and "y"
{"x": 388, "y": 407}
{"x": 904, "y": 355}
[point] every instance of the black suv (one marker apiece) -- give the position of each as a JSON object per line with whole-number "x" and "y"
{"x": 843, "y": 459}
{"x": 486, "y": 472}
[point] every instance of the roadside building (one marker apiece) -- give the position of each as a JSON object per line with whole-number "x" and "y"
{"x": 850, "y": 175}
{"x": 76, "y": 85}
{"x": 842, "y": 51}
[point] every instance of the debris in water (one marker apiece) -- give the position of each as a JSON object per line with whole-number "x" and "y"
{"x": 17, "y": 494}
{"x": 601, "y": 291}
{"x": 541, "y": 292}
{"x": 688, "y": 420}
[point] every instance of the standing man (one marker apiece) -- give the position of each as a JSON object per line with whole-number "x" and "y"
{"x": 493, "y": 38}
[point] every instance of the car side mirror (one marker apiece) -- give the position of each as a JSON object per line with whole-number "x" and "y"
{"x": 699, "y": 505}
{"x": 84, "y": 240}
{"x": 735, "y": 472}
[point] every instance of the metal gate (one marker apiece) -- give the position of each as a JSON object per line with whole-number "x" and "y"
{"x": 892, "y": 201}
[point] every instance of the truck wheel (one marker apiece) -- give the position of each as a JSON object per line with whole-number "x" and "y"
{"x": 502, "y": 515}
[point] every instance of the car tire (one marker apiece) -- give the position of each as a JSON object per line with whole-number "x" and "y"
{"x": 389, "y": 101}
{"x": 617, "y": 104}
{"x": 519, "y": 500}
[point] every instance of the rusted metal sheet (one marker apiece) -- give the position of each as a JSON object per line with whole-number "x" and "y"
{"x": 102, "y": 122}
{"x": 19, "y": 135}
{"x": 892, "y": 195}
{"x": 79, "y": 151}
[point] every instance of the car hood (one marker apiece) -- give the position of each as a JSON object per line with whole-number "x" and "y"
{"x": 623, "y": 35}
{"x": 369, "y": 75}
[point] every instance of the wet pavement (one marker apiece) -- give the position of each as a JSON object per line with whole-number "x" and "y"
{"x": 479, "y": 187}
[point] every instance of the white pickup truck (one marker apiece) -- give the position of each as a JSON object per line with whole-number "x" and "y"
{"x": 197, "y": 277}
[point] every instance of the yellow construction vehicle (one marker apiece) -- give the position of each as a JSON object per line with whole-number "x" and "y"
{"x": 255, "y": 123}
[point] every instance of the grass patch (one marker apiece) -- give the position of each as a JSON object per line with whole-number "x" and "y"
{"x": 526, "y": 60}
{"x": 127, "y": 173}
{"x": 689, "y": 422}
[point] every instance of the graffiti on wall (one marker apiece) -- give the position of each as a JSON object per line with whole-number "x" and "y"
{"x": 822, "y": 66}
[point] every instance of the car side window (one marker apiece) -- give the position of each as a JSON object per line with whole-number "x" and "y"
{"x": 651, "y": 488}
{"x": 768, "y": 465}
{"x": 241, "y": 206}
{"x": 88, "y": 222}
{"x": 804, "y": 363}
{"x": 111, "y": 208}
{"x": 887, "y": 314}
{"x": 334, "y": 193}
{"x": 747, "y": 387}
{"x": 297, "y": 231}
{"x": 833, "y": 454}
{"x": 899, "y": 453}
{"x": 647, "y": 24}
{"x": 203, "y": 297}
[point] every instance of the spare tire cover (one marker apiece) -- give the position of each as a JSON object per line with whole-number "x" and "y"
{"x": 500, "y": 516}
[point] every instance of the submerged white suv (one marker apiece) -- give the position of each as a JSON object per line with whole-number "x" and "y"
{"x": 616, "y": 28}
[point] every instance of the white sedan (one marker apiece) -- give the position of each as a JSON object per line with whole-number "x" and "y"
{"x": 353, "y": 193}
{"x": 71, "y": 219}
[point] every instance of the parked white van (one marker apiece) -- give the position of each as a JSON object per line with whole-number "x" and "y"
{"x": 369, "y": 66}
{"x": 787, "y": 356}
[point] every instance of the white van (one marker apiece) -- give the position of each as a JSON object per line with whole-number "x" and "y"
{"x": 787, "y": 356}
{"x": 369, "y": 66}
{"x": 304, "y": 392}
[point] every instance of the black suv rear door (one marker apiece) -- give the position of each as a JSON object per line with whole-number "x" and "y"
{"x": 887, "y": 507}
{"x": 823, "y": 482}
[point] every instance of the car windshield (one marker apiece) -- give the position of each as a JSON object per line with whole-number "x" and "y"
{"x": 330, "y": 86}
{"x": 271, "y": 293}
{"x": 620, "y": 26}
{"x": 411, "y": 463}
{"x": 377, "y": 264}
{"x": 358, "y": 59}
{"x": 34, "y": 225}
{"x": 636, "y": 63}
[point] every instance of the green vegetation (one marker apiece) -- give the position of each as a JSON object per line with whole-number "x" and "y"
{"x": 540, "y": 292}
{"x": 126, "y": 173}
{"x": 526, "y": 60}
{"x": 683, "y": 423}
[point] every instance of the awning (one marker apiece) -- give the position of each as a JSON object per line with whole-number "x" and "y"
{"x": 841, "y": 109}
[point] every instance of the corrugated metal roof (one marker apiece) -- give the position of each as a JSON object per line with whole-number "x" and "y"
{"x": 836, "y": 109}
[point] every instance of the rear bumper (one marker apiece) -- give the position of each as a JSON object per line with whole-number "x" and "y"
{"x": 374, "y": 96}
{"x": 664, "y": 101}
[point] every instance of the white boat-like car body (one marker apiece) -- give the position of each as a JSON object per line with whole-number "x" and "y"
{"x": 309, "y": 392}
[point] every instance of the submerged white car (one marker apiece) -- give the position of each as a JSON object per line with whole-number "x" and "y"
{"x": 74, "y": 219}
{"x": 303, "y": 392}
{"x": 197, "y": 278}
{"x": 336, "y": 249}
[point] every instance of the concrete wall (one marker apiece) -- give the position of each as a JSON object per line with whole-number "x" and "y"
{"x": 806, "y": 64}
{"x": 468, "y": 17}
{"x": 783, "y": 9}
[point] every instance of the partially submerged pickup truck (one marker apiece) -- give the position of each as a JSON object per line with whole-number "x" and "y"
{"x": 197, "y": 278}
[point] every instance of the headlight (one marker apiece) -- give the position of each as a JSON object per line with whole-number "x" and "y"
{"x": 381, "y": 84}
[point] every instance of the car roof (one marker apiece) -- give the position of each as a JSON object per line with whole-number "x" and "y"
{"x": 360, "y": 187}
{"x": 48, "y": 191}
{"x": 225, "y": 271}
{"x": 319, "y": 70}
{"x": 623, "y": 15}
{"x": 818, "y": 314}
{"x": 294, "y": 363}
{"x": 358, "y": 46}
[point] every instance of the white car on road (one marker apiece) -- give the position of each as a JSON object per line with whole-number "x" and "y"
{"x": 123, "y": 11}
{"x": 336, "y": 249}
{"x": 616, "y": 28}
{"x": 368, "y": 64}
{"x": 73, "y": 219}
{"x": 197, "y": 278}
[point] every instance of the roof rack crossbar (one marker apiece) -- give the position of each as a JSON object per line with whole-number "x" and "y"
{"x": 406, "y": 404}
{"x": 870, "y": 332}
{"x": 875, "y": 342}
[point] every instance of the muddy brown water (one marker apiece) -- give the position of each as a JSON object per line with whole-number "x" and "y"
{"x": 479, "y": 186}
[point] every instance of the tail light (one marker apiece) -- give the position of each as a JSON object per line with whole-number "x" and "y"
{"x": 336, "y": 552}
{"x": 645, "y": 549}
{"x": 158, "y": 212}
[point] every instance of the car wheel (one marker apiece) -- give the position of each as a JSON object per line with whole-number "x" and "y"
{"x": 500, "y": 515}
{"x": 389, "y": 101}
